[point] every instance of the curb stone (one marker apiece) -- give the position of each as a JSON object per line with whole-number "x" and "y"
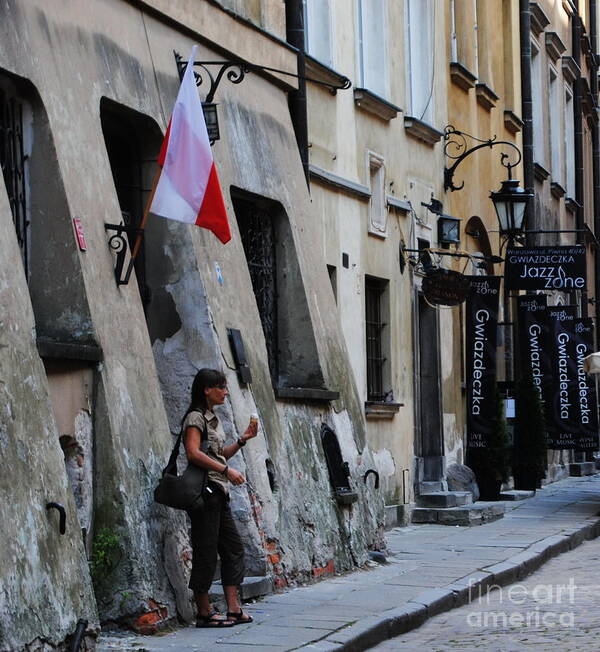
{"x": 504, "y": 572}
{"x": 528, "y": 562}
{"x": 371, "y": 631}
{"x": 435, "y": 601}
{"x": 363, "y": 634}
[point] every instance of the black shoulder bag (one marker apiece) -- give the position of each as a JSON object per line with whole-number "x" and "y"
{"x": 185, "y": 491}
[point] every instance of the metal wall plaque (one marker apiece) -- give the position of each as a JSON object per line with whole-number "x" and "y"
{"x": 545, "y": 268}
{"x": 78, "y": 228}
{"x": 445, "y": 287}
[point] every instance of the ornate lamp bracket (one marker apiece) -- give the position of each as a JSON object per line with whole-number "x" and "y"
{"x": 235, "y": 72}
{"x": 456, "y": 149}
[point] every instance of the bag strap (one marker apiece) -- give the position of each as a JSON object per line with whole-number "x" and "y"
{"x": 172, "y": 463}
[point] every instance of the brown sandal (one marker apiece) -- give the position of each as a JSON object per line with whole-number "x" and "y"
{"x": 214, "y": 619}
{"x": 239, "y": 617}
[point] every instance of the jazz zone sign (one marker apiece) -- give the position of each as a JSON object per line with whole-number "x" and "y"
{"x": 545, "y": 268}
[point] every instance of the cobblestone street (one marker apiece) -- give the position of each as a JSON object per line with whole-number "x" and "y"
{"x": 558, "y": 607}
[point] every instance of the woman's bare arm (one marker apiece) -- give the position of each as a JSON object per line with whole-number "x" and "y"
{"x": 192, "y": 441}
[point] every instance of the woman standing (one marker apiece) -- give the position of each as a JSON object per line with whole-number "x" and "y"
{"x": 213, "y": 528}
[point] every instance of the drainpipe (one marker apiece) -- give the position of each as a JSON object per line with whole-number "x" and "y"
{"x": 595, "y": 152}
{"x": 512, "y": 353}
{"x": 578, "y": 144}
{"x": 294, "y": 19}
{"x": 527, "y": 113}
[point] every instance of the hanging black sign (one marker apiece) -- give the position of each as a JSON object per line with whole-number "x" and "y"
{"x": 445, "y": 287}
{"x": 586, "y": 403}
{"x": 481, "y": 339}
{"x": 561, "y": 409}
{"x": 545, "y": 268}
{"x": 532, "y": 337}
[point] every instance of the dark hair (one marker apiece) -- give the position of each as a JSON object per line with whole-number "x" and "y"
{"x": 204, "y": 379}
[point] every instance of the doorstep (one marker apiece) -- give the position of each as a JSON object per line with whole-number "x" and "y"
{"x": 475, "y": 514}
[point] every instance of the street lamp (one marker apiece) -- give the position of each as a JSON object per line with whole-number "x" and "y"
{"x": 211, "y": 119}
{"x": 510, "y": 203}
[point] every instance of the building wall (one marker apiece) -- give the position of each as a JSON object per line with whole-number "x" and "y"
{"x": 484, "y": 100}
{"x": 120, "y": 55}
{"x": 346, "y": 130}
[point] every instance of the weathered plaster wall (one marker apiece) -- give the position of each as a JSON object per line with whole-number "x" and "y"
{"x": 297, "y": 517}
{"x": 71, "y": 392}
{"x": 94, "y": 54}
{"x": 35, "y": 560}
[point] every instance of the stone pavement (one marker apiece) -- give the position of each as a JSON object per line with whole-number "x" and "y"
{"x": 556, "y": 608}
{"x": 431, "y": 569}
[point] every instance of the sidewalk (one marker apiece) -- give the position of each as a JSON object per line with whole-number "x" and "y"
{"x": 432, "y": 568}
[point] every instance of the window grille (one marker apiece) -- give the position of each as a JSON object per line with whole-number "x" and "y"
{"x": 374, "y": 290}
{"x": 13, "y": 164}
{"x": 257, "y": 231}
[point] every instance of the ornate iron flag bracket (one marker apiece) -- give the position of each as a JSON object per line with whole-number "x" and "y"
{"x": 455, "y": 148}
{"x": 118, "y": 243}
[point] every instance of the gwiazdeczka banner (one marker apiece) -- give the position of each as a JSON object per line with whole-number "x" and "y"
{"x": 545, "y": 268}
{"x": 532, "y": 338}
{"x": 586, "y": 403}
{"x": 562, "y": 414}
{"x": 481, "y": 340}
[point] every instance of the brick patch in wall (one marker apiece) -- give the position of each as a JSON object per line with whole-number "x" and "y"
{"x": 320, "y": 571}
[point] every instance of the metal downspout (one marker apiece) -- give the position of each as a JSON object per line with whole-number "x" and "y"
{"x": 294, "y": 18}
{"x": 595, "y": 153}
{"x": 527, "y": 113}
{"x": 578, "y": 122}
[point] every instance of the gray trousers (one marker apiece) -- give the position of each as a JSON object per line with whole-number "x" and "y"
{"x": 214, "y": 531}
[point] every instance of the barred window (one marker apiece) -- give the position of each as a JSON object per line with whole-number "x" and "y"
{"x": 375, "y": 290}
{"x": 13, "y": 161}
{"x": 277, "y": 282}
{"x": 257, "y": 232}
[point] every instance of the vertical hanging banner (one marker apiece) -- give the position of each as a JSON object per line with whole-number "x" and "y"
{"x": 586, "y": 403}
{"x": 532, "y": 335}
{"x": 561, "y": 409}
{"x": 481, "y": 339}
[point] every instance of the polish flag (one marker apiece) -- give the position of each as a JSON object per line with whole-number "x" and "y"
{"x": 188, "y": 189}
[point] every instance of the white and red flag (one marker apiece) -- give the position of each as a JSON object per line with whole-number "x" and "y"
{"x": 188, "y": 189}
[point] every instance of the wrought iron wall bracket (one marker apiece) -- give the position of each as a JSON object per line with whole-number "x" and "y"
{"x": 236, "y": 71}
{"x": 456, "y": 149}
{"x": 443, "y": 252}
{"x": 118, "y": 243}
